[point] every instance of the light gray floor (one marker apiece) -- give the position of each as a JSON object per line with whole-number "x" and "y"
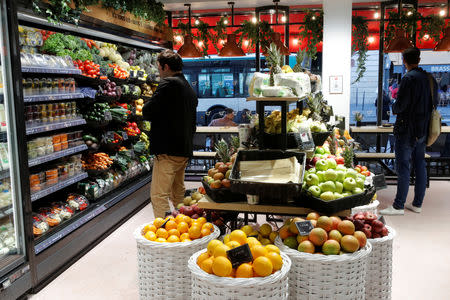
{"x": 421, "y": 259}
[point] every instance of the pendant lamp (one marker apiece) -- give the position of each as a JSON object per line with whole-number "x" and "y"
{"x": 399, "y": 43}
{"x": 231, "y": 48}
{"x": 276, "y": 39}
{"x": 444, "y": 44}
{"x": 188, "y": 49}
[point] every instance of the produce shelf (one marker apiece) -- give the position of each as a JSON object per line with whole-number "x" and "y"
{"x": 43, "y": 159}
{"x": 4, "y": 174}
{"x": 6, "y": 211}
{"x": 52, "y": 97}
{"x": 59, "y": 186}
{"x": 286, "y": 99}
{"x": 93, "y": 210}
{"x": 55, "y": 126}
{"x": 50, "y": 70}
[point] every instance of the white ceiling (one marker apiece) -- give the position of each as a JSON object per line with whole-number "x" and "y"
{"x": 178, "y": 5}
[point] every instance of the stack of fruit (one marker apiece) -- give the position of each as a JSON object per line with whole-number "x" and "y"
{"x": 181, "y": 228}
{"x": 330, "y": 236}
{"x": 264, "y": 234}
{"x": 266, "y": 259}
{"x": 369, "y": 223}
{"x": 218, "y": 176}
{"x": 192, "y": 199}
{"x": 330, "y": 180}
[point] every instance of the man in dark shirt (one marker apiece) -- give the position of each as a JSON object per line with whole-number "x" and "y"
{"x": 172, "y": 113}
{"x": 413, "y": 109}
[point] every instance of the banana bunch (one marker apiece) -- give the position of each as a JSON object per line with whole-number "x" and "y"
{"x": 272, "y": 123}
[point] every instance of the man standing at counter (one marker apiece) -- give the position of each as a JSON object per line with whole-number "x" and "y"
{"x": 413, "y": 109}
{"x": 172, "y": 113}
{"x": 226, "y": 120}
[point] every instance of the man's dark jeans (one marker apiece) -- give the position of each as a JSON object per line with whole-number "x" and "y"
{"x": 404, "y": 153}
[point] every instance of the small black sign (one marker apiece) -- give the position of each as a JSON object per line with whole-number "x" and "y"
{"x": 304, "y": 227}
{"x": 132, "y": 73}
{"x": 240, "y": 255}
{"x": 140, "y": 74}
{"x": 382, "y": 220}
{"x": 304, "y": 141}
{"x": 379, "y": 181}
{"x": 164, "y": 224}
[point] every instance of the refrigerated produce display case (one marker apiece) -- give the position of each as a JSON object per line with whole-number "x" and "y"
{"x": 78, "y": 164}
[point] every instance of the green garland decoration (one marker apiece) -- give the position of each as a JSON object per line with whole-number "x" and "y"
{"x": 219, "y": 32}
{"x": 260, "y": 32}
{"x": 58, "y": 11}
{"x": 433, "y": 26}
{"x": 312, "y": 31}
{"x": 203, "y": 35}
{"x": 359, "y": 44}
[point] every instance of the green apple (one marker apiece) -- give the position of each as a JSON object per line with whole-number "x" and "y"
{"x": 351, "y": 173}
{"x": 341, "y": 168}
{"x": 339, "y": 187}
{"x": 330, "y": 175}
{"x": 319, "y": 150}
{"x": 338, "y": 196}
{"x": 320, "y": 174}
{"x": 312, "y": 179}
{"x": 322, "y": 165}
{"x": 327, "y": 149}
{"x": 340, "y": 175}
{"x": 304, "y": 186}
{"x": 312, "y": 171}
{"x": 331, "y": 163}
{"x": 360, "y": 183}
{"x": 346, "y": 194}
{"x": 327, "y": 186}
{"x": 357, "y": 190}
{"x": 211, "y": 180}
{"x": 327, "y": 196}
{"x": 206, "y": 178}
{"x": 314, "y": 190}
{"x": 227, "y": 175}
{"x": 361, "y": 176}
{"x": 349, "y": 184}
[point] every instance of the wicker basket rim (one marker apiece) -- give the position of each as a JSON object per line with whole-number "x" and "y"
{"x": 143, "y": 241}
{"x": 325, "y": 258}
{"x": 241, "y": 282}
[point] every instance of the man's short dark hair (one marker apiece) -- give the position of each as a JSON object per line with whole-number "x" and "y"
{"x": 411, "y": 56}
{"x": 172, "y": 59}
{"x": 229, "y": 111}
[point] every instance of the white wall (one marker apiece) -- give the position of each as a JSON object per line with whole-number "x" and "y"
{"x": 337, "y": 38}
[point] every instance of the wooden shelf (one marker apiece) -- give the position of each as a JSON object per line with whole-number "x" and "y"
{"x": 208, "y": 203}
{"x": 204, "y": 154}
{"x": 279, "y": 99}
{"x": 217, "y": 129}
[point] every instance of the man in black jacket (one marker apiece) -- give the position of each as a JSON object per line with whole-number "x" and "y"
{"x": 172, "y": 113}
{"x": 413, "y": 109}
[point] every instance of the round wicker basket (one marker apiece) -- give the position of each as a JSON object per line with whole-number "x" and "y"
{"x": 379, "y": 267}
{"x": 371, "y": 207}
{"x": 162, "y": 267}
{"x": 206, "y": 286}
{"x": 315, "y": 276}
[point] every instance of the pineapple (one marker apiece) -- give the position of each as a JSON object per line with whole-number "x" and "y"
{"x": 235, "y": 143}
{"x": 222, "y": 151}
{"x": 348, "y": 156}
{"x": 275, "y": 60}
{"x": 299, "y": 58}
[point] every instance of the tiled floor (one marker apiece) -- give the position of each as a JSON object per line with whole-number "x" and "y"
{"x": 421, "y": 261}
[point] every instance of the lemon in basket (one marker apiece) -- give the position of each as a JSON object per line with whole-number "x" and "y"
{"x": 252, "y": 241}
{"x": 212, "y": 245}
{"x": 265, "y": 230}
{"x": 247, "y": 229}
{"x": 262, "y": 266}
{"x": 162, "y": 233}
{"x": 238, "y": 236}
{"x": 202, "y": 257}
{"x": 272, "y": 248}
{"x": 258, "y": 250}
{"x": 158, "y": 222}
{"x": 150, "y": 235}
{"x": 221, "y": 266}
{"x": 207, "y": 264}
{"x": 232, "y": 244}
{"x": 276, "y": 260}
{"x": 221, "y": 250}
{"x": 244, "y": 271}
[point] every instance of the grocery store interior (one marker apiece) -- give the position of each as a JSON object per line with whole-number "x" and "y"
{"x": 294, "y": 126}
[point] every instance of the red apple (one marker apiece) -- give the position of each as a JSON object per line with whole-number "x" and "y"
{"x": 384, "y": 231}
{"x": 367, "y": 232}
{"x": 195, "y": 216}
{"x": 376, "y": 235}
{"x": 188, "y": 211}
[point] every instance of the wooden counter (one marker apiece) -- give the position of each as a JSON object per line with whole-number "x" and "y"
{"x": 217, "y": 129}
{"x": 376, "y": 129}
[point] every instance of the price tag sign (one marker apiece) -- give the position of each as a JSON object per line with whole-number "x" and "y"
{"x": 240, "y": 255}
{"x": 140, "y": 74}
{"x": 108, "y": 115}
{"x": 125, "y": 136}
{"x": 304, "y": 227}
{"x": 379, "y": 181}
{"x": 132, "y": 73}
{"x": 304, "y": 137}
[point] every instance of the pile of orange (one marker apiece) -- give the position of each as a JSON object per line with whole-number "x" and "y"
{"x": 266, "y": 259}
{"x": 179, "y": 229}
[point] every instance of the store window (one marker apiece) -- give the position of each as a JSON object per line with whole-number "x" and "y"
{"x": 222, "y": 85}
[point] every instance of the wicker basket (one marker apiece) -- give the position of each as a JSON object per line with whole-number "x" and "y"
{"x": 162, "y": 267}
{"x": 206, "y": 286}
{"x": 379, "y": 267}
{"x": 315, "y": 276}
{"x": 371, "y": 207}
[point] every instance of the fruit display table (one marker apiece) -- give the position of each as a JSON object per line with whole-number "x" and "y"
{"x": 245, "y": 208}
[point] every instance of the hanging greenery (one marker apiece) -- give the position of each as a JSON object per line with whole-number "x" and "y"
{"x": 360, "y": 34}
{"x": 407, "y": 20}
{"x": 203, "y": 36}
{"x": 218, "y": 33}
{"x": 260, "y": 32}
{"x": 58, "y": 11}
{"x": 184, "y": 27}
{"x": 433, "y": 26}
{"x": 312, "y": 31}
